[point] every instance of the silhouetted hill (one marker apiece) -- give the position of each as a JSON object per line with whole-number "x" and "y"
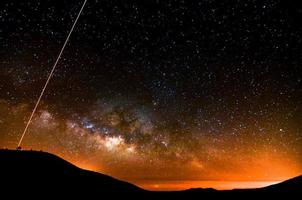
{"x": 47, "y": 172}
{"x": 31, "y": 173}
{"x": 292, "y": 185}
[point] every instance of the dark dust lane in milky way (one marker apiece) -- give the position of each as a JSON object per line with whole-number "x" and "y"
{"x": 164, "y": 94}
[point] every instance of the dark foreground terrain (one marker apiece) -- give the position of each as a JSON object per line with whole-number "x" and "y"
{"x": 33, "y": 174}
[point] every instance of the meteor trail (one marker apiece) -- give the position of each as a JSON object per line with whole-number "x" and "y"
{"x": 50, "y": 76}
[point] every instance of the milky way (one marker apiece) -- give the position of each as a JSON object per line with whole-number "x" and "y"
{"x": 171, "y": 90}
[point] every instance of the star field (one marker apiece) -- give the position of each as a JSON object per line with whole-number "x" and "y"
{"x": 161, "y": 90}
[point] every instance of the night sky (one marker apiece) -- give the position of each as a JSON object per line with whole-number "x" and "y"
{"x": 157, "y": 90}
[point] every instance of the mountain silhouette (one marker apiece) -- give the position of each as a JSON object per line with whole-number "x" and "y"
{"x": 29, "y": 173}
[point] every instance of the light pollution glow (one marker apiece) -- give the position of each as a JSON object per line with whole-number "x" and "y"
{"x": 158, "y": 164}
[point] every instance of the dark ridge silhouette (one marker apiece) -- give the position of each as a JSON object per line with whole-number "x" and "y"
{"x": 294, "y": 184}
{"x": 44, "y": 167}
{"x": 29, "y": 173}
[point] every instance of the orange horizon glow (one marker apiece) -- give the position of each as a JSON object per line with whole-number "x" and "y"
{"x": 218, "y": 185}
{"x": 178, "y": 185}
{"x": 279, "y": 173}
{"x": 164, "y": 95}
{"x": 231, "y": 182}
{"x": 223, "y": 164}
